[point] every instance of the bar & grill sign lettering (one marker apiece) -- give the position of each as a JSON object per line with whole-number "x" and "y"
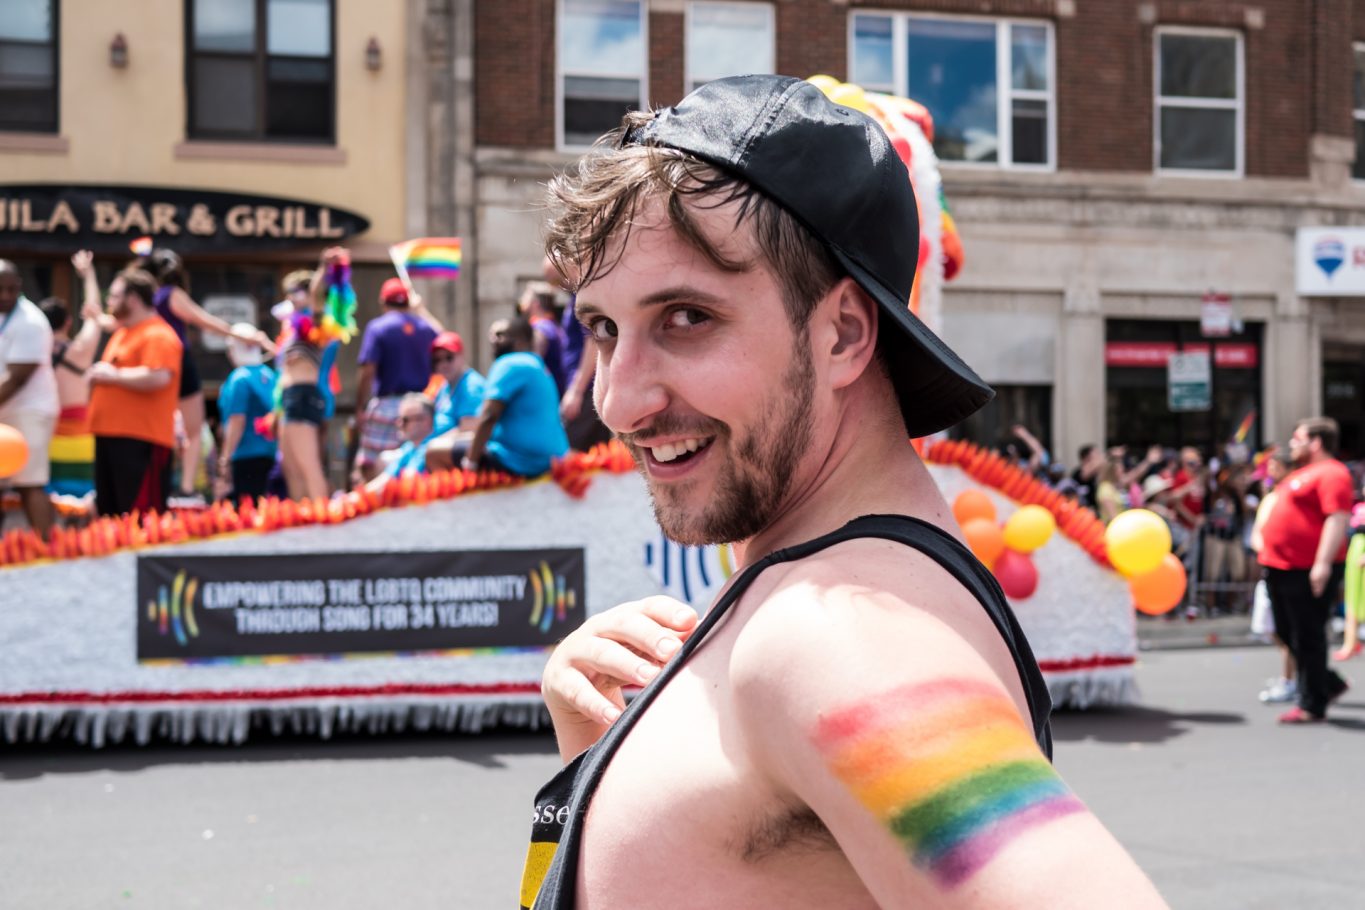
{"x": 61, "y": 218}
{"x": 196, "y": 607}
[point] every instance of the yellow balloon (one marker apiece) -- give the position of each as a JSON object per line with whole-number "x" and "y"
{"x": 824, "y": 83}
{"x": 850, "y": 96}
{"x": 1029, "y": 528}
{"x": 1137, "y": 540}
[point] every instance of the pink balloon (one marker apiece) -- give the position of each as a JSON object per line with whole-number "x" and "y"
{"x": 1017, "y": 574}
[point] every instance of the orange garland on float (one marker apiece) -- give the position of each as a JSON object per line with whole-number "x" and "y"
{"x": 985, "y": 467}
{"x": 107, "y": 535}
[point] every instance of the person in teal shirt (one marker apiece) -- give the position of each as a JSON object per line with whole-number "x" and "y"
{"x": 462, "y": 394}
{"x": 246, "y": 457}
{"x": 416, "y": 416}
{"x": 518, "y": 430}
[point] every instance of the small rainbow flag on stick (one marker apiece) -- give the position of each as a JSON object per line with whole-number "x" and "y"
{"x": 427, "y": 257}
{"x": 142, "y": 246}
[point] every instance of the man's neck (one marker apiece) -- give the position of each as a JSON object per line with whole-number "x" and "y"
{"x": 136, "y": 318}
{"x": 870, "y": 468}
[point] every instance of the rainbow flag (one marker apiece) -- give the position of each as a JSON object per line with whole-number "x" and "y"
{"x": 427, "y": 257}
{"x": 142, "y": 246}
{"x": 1244, "y": 428}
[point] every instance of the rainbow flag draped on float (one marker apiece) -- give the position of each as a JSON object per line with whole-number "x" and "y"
{"x": 427, "y": 257}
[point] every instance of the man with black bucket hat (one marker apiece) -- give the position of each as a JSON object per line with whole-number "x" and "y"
{"x": 858, "y": 720}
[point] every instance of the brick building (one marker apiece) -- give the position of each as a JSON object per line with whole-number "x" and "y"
{"x": 1109, "y": 165}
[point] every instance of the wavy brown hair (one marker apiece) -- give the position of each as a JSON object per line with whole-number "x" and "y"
{"x": 595, "y": 203}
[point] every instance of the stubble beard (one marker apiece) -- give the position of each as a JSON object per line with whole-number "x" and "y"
{"x": 758, "y": 472}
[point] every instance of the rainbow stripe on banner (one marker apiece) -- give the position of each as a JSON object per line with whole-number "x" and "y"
{"x": 427, "y": 257}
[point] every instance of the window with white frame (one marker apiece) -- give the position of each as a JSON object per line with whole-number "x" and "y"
{"x": 1199, "y": 101}
{"x": 987, "y": 82}
{"x": 602, "y": 66}
{"x": 1358, "y": 86}
{"x": 728, "y": 39}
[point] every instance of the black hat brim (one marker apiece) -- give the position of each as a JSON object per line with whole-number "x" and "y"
{"x": 935, "y": 388}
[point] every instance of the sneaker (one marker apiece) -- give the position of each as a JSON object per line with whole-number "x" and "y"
{"x": 1299, "y": 716}
{"x": 1279, "y": 691}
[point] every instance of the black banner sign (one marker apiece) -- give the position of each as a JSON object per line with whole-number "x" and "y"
{"x": 61, "y": 218}
{"x": 195, "y": 607}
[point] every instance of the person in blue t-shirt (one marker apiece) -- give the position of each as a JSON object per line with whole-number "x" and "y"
{"x": 248, "y": 393}
{"x": 462, "y": 393}
{"x": 518, "y": 429}
{"x": 416, "y": 417}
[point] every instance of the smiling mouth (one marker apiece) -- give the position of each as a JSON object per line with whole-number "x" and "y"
{"x": 679, "y": 452}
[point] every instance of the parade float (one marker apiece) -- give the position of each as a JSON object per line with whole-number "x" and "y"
{"x": 434, "y": 604}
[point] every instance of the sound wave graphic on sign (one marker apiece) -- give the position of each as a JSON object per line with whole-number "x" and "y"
{"x": 693, "y": 575}
{"x": 553, "y": 597}
{"x": 173, "y": 610}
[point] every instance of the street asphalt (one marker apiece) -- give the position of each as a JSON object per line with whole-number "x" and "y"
{"x": 1222, "y": 808}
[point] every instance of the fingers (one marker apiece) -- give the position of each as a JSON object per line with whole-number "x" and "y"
{"x": 616, "y": 661}
{"x": 583, "y": 697}
{"x": 655, "y": 631}
{"x": 668, "y": 612}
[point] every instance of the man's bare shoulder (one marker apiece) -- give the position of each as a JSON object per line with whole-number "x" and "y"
{"x": 873, "y": 602}
{"x": 871, "y": 689}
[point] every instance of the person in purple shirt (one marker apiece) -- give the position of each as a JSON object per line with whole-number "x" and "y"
{"x": 395, "y": 359}
{"x": 579, "y": 365}
{"x": 538, "y": 305}
{"x": 175, "y": 305}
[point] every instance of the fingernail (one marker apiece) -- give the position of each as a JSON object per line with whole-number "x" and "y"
{"x": 669, "y": 646}
{"x": 646, "y": 672}
{"x": 683, "y": 616}
{"x": 610, "y": 714}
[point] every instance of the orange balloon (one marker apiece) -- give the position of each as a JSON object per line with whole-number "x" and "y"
{"x": 1160, "y": 590}
{"x": 985, "y": 539}
{"x": 973, "y": 504}
{"x": 13, "y": 451}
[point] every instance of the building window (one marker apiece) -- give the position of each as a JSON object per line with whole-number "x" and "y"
{"x": 728, "y": 39}
{"x": 987, "y": 82}
{"x": 1358, "y": 85}
{"x": 1199, "y": 101}
{"x": 601, "y": 67}
{"x": 262, "y": 70}
{"x": 28, "y": 66}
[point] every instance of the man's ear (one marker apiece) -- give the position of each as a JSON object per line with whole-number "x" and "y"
{"x": 852, "y": 316}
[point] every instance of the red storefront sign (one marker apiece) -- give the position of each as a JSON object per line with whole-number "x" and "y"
{"x": 1155, "y": 354}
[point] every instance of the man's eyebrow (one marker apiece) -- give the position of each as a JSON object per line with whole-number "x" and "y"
{"x": 677, "y": 294}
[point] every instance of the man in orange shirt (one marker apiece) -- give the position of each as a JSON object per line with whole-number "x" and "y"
{"x": 1303, "y": 549}
{"x": 133, "y": 397}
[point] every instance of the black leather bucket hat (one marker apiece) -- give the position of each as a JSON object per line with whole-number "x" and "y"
{"x": 836, "y": 171}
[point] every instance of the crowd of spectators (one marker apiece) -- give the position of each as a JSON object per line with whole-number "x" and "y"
{"x": 112, "y": 407}
{"x": 1210, "y": 503}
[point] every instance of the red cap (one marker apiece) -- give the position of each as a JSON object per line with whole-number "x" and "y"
{"x": 449, "y": 341}
{"x": 394, "y": 292}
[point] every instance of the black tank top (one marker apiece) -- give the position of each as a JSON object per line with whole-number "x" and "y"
{"x": 550, "y": 878}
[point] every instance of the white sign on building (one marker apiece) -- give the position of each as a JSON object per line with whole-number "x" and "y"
{"x": 231, "y": 308}
{"x": 1189, "y": 381}
{"x": 1330, "y": 262}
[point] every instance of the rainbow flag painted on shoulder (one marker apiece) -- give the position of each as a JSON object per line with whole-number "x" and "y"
{"x": 427, "y": 257}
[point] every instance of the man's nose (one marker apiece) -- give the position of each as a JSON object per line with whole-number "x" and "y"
{"x": 629, "y": 390}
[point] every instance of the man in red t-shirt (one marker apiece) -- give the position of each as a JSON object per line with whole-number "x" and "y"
{"x": 1303, "y": 554}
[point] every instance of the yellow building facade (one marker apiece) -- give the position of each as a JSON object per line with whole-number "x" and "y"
{"x": 245, "y": 134}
